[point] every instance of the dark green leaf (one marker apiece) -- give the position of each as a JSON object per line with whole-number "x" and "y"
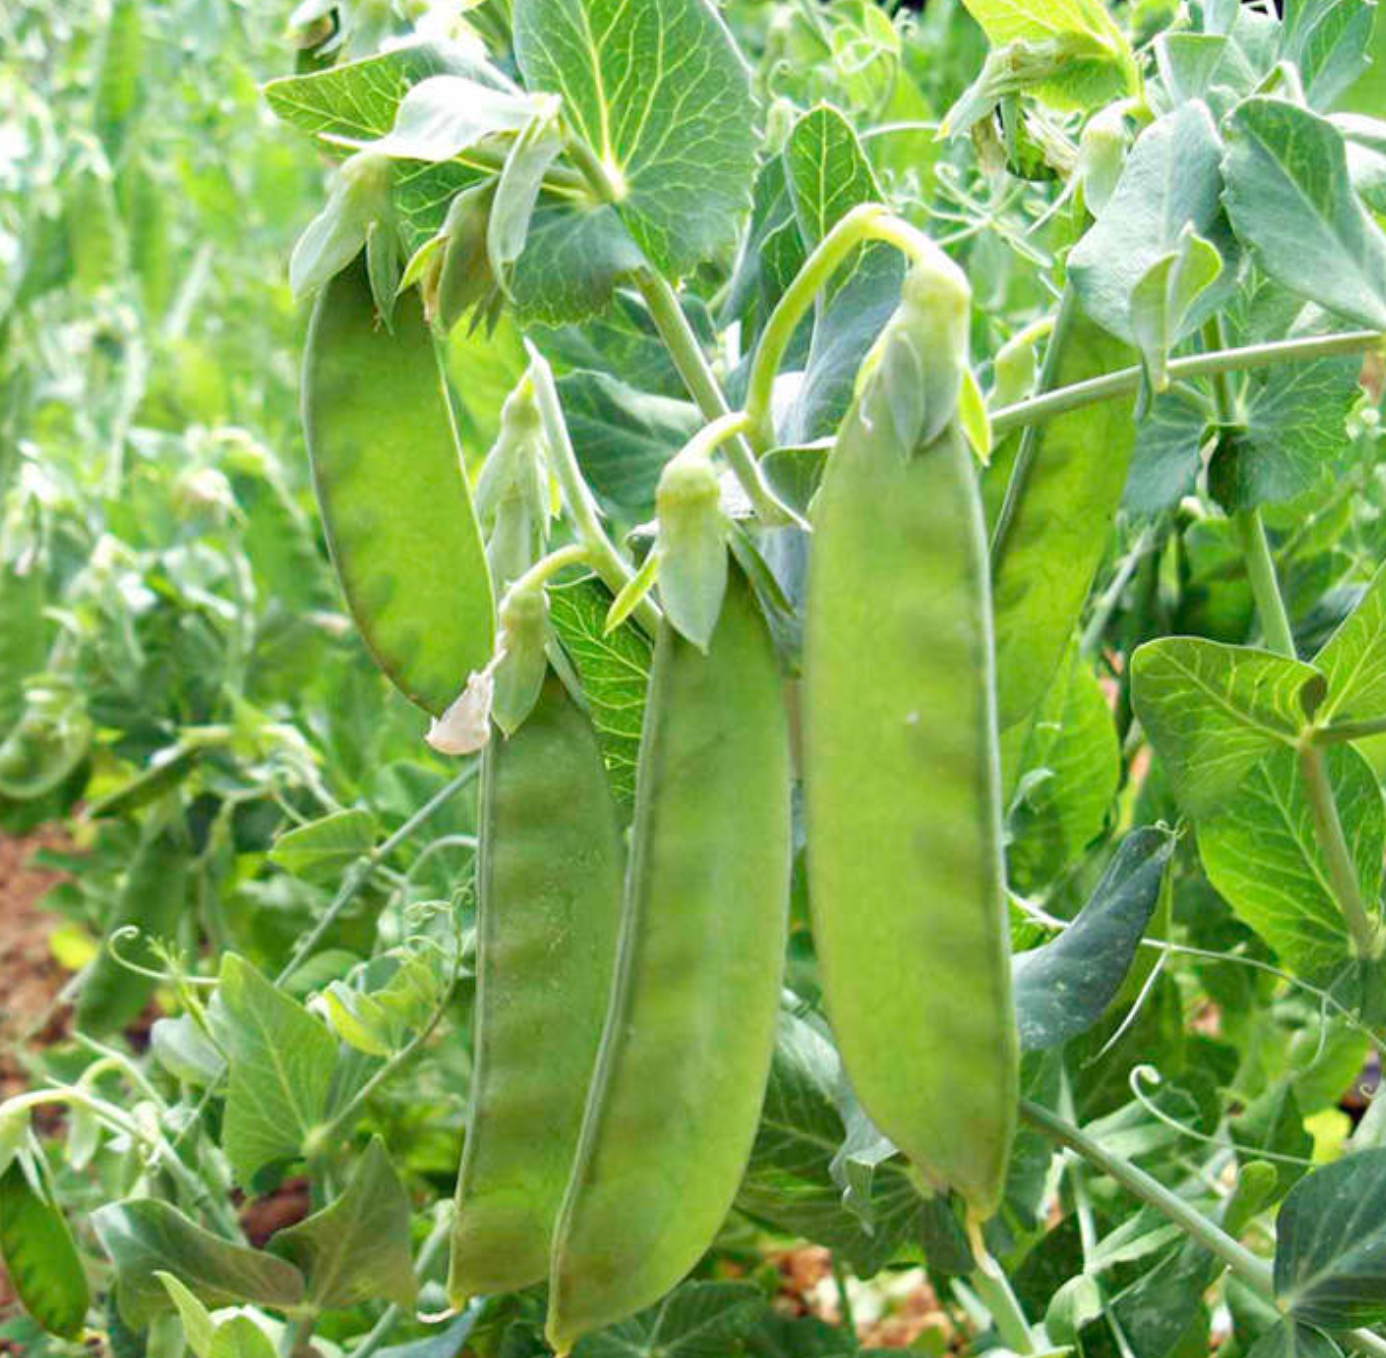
{"x": 40, "y": 1256}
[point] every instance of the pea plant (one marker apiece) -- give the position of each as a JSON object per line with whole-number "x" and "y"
{"x": 885, "y": 512}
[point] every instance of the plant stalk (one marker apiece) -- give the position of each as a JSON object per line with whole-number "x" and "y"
{"x": 995, "y": 1293}
{"x": 1265, "y": 589}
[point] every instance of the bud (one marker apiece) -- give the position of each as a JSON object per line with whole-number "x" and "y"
{"x": 465, "y": 281}
{"x": 524, "y": 629}
{"x": 359, "y": 199}
{"x": 692, "y": 547}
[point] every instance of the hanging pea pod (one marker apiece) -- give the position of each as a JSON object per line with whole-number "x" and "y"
{"x": 46, "y": 745}
{"x": 679, "y": 1083}
{"x": 393, "y": 494}
{"x": 906, "y": 875}
{"x": 40, "y": 1256}
{"x": 153, "y": 899}
{"x": 549, "y": 889}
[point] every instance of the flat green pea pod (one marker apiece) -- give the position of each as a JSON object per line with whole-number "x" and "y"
{"x": 902, "y": 778}
{"x": 549, "y": 889}
{"x": 393, "y": 493}
{"x": 46, "y": 745}
{"x": 677, "y": 1093}
{"x": 153, "y": 900}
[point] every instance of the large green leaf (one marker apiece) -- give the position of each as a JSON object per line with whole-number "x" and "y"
{"x": 357, "y": 1248}
{"x": 1165, "y": 459}
{"x": 39, "y": 1255}
{"x": 1290, "y": 1339}
{"x": 1170, "y": 183}
{"x": 145, "y": 1238}
{"x": 1043, "y": 569}
{"x": 1261, "y": 852}
{"x": 1353, "y": 659}
{"x": 660, "y": 94}
{"x": 696, "y": 1320}
{"x": 1330, "y": 1245}
{"x": 1214, "y": 711}
{"x": 1291, "y": 201}
{"x": 1063, "y": 987}
{"x": 281, "y": 1071}
{"x": 1328, "y": 40}
{"x": 572, "y": 261}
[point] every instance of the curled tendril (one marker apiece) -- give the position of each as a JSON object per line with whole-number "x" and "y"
{"x": 1152, "y": 1074}
{"x": 128, "y": 933}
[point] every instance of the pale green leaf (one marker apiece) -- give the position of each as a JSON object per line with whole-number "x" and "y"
{"x": 1328, "y": 41}
{"x": 281, "y": 1071}
{"x": 1291, "y": 202}
{"x": 198, "y": 1325}
{"x": 660, "y": 94}
{"x": 444, "y": 115}
{"x": 323, "y": 849}
{"x": 1260, "y": 851}
{"x": 356, "y": 1249}
{"x": 1353, "y": 659}
{"x": 1213, "y": 711}
{"x": 241, "y": 1337}
{"x": 1163, "y": 297}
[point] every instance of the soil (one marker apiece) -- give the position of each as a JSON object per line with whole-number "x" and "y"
{"x": 32, "y": 979}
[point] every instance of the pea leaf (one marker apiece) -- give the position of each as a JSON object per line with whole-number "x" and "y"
{"x": 1171, "y": 186}
{"x": 682, "y": 153}
{"x": 1043, "y": 569}
{"x": 771, "y": 253}
{"x": 1072, "y": 763}
{"x": 358, "y": 100}
{"x": 1330, "y": 1245}
{"x": 1327, "y": 40}
{"x": 1203, "y": 66}
{"x": 39, "y": 1255}
{"x": 198, "y": 1326}
{"x": 357, "y": 1248}
{"x": 281, "y": 1071}
{"x": 1291, "y": 202}
{"x": 1163, "y": 297}
{"x": 145, "y": 1237}
{"x": 442, "y": 116}
{"x": 1260, "y": 851}
{"x": 323, "y": 849}
{"x": 1165, "y": 459}
{"x": 572, "y": 261}
{"x": 1353, "y": 659}
{"x": 1063, "y": 987}
{"x": 624, "y": 437}
{"x": 1214, "y": 711}
{"x": 696, "y": 1320}
{"x": 614, "y": 670}
{"x": 1290, "y": 1339}
{"x": 240, "y": 1337}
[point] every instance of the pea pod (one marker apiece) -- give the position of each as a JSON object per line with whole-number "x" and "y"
{"x": 40, "y": 1256}
{"x": 393, "y": 494}
{"x": 153, "y": 898}
{"x": 906, "y": 879}
{"x": 549, "y": 885}
{"x": 46, "y": 745}
{"x": 684, "y": 1059}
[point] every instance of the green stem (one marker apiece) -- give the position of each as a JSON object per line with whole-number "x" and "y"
{"x": 1224, "y": 398}
{"x": 844, "y": 1300}
{"x": 359, "y": 873}
{"x": 1328, "y": 831}
{"x": 698, "y": 377}
{"x": 1350, "y": 730}
{"x": 296, "y": 1334}
{"x": 868, "y": 221}
{"x": 613, "y": 568}
{"x": 1254, "y": 1271}
{"x": 543, "y": 570}
{"x": 1265, "y": 589}
{"x": 1126, "y": 381}
{"x": 995, "y": 1293}
{"x": 1029, "y": 439}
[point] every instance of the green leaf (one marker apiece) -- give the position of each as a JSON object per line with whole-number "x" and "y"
{"x": 572, "y": 261}
{"x": 790, "y": 1183}
{"x": 1291, "y": 202}
{"x": 1171, "y": 183}
{"x": 614, "y": 671}
{"x": 40, "y": 1257}
{"x": 1071, "y": 764}
{"x": 443, "y": 116}
{"x": 198, "y": 1325}
{"x": 623, "y": 437}
{"x": 1327, "y": 40}
{"x": 281, "y": 1071}
{"x": 1165, "y": 460}
{"x": 444, "y": 1342}
{"x": 1330, "y": 1245}
{"x": 1260, "y": 851}
{"x": 696, "y": 1320}
{"x": 145, "y": 1238}
{"x": 1164, "y": 296}
{"x": 240, "y": 1337}
{"x": 1290, "y": 1339}
{"x": 1063, "y": 987}
{"x": 323, "y": 849}
{"x": 1006, "y": 21}
{"x": 1044, "y": 569}
{"x": 1353, "y": 659}
{"x": 185, "y": 1051}
{"x": 1273, "y": 1123}
{"x": 771, "y": 254}
{"x": 1198, "y": 65}
{"x": 357, "y": 101}
{"x": 517, "y": 191}
{"x": 682, "y": 153}
{"x": 357, "y": 1248}
{"x": 1214, "y": 711}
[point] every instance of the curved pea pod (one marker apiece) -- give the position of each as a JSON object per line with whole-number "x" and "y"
{"x": 906, "y": 877}
{"x": 549, "y": 889}
{"x": 153, "y": 899}
{"x": 394, "y": 497}
{"x": 46, "y": 745}
{"x": 40, "y": 1256}
{"x": 677, "y": 1093}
